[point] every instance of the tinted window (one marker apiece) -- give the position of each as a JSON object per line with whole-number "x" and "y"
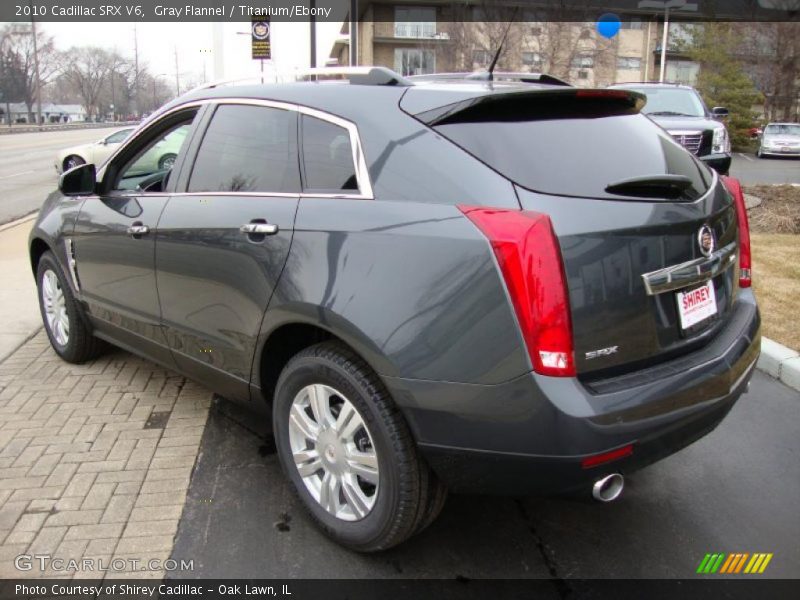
{"x": 248, "y": 149}
{"x": 671, "y": 101}
{"x": 327, "y": 156}
{"x": 568, "y": 149}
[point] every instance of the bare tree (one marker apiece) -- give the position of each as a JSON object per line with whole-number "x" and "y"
{"x": 17, "y": 46}
{"x": 89, "y": 70}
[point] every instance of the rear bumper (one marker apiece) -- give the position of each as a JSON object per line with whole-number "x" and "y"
{"x": 719, "y": 162}
{"x": 529, "y": 435}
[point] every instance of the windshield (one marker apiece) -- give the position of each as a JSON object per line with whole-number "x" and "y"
{"x": 782, "y": 130}
{"x": 671, "y": 102}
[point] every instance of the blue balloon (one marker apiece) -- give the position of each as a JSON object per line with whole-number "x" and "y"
{"x": 608, "y": 25}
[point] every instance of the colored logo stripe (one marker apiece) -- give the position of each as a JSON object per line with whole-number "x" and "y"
{"x": 734, "y": 563}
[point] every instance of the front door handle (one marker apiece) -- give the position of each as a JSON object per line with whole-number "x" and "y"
{"x": 138, "y": 229}
{"x": 259, "y": 228}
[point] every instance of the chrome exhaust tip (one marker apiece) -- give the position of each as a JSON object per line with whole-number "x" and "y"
{"x": 608, "y": 488}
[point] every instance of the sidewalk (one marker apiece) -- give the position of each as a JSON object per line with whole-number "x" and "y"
{"x": 95, "y": 459}
{"x": 19, "y": 316}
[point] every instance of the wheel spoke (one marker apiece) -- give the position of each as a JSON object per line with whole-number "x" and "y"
{"x": 355, "y": 497}
{"x": 308, "y": 462}
{"x": 364, "y": 464}
{"x": 348, "y": 423}
{"x": 319, "y": 399}
{"x": 300, "y": 419}
{"x": 329, "y": 492}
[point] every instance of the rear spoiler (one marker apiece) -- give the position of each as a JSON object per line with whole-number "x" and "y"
{"x": 537, "y": 104}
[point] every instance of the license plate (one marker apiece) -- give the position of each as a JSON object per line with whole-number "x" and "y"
{"x": 696, "y": 305}
{"x": 785, "y": 149}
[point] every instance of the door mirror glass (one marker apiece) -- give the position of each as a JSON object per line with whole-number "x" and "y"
{"x": 79, "y": 181}
{"x": 719, "y": 111}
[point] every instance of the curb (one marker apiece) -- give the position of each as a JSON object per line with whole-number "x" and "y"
{"x": 780, "y": 362}
{"x": 19, "y": 220}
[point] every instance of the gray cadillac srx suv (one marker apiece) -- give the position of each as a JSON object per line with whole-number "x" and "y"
{"x": 495, "y": 287}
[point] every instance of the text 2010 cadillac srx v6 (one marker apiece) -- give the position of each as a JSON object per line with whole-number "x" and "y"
{"x": 457, "y": 285}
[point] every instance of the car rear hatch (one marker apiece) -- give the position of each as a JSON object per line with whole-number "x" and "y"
{"x": 642, "y": 225}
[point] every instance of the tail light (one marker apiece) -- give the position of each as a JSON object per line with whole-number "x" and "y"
{"x": 529, "y": 257}
{"x": 745, "y": 257}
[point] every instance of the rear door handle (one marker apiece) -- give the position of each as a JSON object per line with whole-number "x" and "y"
{"x": 259, "y": 228}
{"x": 138, "y": 229}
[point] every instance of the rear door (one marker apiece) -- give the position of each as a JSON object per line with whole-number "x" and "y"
{"x": 223, "y": 240}
{"x": 640, "y": 221}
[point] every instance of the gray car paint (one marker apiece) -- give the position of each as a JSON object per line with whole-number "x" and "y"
{"x": 407, "y": 282}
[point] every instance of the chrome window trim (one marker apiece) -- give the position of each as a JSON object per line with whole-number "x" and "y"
{"x": 359, "y": 161}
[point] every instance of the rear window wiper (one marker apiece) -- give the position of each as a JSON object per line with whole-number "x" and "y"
{"x": 652, "y": 186}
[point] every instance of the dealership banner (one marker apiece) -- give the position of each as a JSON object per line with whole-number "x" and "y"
{"x": 447, "y": 10}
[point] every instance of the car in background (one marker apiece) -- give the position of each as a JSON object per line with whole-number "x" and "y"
{"x": 681, "y": 111}
{"x": 780, "y": 139}
{"x": 160, "y": 157}
{"x": 93, "y": 153}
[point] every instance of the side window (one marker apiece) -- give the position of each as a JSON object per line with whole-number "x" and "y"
{"x": 148, "y": 170}
{"x": 327, "y": 156}
{"x": 248, "y": 149}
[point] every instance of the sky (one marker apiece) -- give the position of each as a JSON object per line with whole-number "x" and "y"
{"x": 194, "y": 41}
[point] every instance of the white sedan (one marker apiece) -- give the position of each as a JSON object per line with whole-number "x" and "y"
{"x": 780, "y": 139}
{"x": 95, "y": 152}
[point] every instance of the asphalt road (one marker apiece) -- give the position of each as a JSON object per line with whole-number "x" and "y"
{"x": 735, "y": 490}
{"x": 27, "y": 174}
{"x": 753, "y": 171}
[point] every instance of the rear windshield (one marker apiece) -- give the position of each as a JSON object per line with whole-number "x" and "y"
{"x": 572, "y": 152}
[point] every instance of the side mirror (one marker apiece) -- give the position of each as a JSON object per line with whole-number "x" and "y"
{"x": 719, "y": 111}
{"x": 80, "y": 181}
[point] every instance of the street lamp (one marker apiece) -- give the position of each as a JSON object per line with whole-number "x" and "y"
{"x": 666, "y": 5}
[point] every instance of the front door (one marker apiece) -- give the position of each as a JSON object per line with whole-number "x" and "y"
{"x": 222, "y": 242}
{"x": 114, "y": 242}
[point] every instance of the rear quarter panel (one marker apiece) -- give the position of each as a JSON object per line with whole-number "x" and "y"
{"x": 412, "y": 287}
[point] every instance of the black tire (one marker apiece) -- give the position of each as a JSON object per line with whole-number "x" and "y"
{"x": 402, "y": 504}
{"x": 73, "y": 161}
{"x": 80, "y": 345}
{"x": 166, "y": 161}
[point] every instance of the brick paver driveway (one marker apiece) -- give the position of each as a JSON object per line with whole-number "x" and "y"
{"x": 95, "y": 460}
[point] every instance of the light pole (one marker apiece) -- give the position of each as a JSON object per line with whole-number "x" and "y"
{"x": 666, "y": 5}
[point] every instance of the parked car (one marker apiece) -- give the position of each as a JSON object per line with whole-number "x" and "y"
{"x": 461, "y": 285}
{"x": 159, "y": 158}
{"x": 681, "y": 111}
{"x": 780, "y": 139}
{"x": 95, "y": 152}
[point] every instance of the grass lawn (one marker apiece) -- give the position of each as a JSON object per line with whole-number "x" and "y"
{"x": 776, "y": 279}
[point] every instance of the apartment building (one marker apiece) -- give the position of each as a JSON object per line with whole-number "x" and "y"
{"x": 418, "y": 38}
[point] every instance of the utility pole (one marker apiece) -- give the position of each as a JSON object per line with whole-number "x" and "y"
{"x": 664, "y": 43}
{"x": 312, "y": 23}
{"x": 353, "y": 33}
{"x": 36, "y": 67}
{"x": 135, "y": 71}
{"x": 177, "y": 78}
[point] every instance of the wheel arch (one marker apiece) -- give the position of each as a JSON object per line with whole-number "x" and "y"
{"x": 36, "y": 249}
{"x": 293, "y": 334}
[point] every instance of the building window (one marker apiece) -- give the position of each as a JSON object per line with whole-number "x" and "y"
{"x": 582, "y": 62}
{"x": 481, "y": 57}
{"x": 413, "y": 61}
{"x": 536, "y": 30}
{"x": 633, "y": 23}
{"x": 583, "y": 74}
{"x": 532, "y": 59}
{"x": 414, "y": 22}
{"x": 629, "y": 62}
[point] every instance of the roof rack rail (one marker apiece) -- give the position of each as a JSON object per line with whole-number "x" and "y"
{"x": 496, "y": 76}
{"x": 355, "y": 75}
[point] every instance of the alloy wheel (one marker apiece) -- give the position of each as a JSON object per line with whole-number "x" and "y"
{"x": 333, "y": 452}
{"x": 55, "y": 308}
